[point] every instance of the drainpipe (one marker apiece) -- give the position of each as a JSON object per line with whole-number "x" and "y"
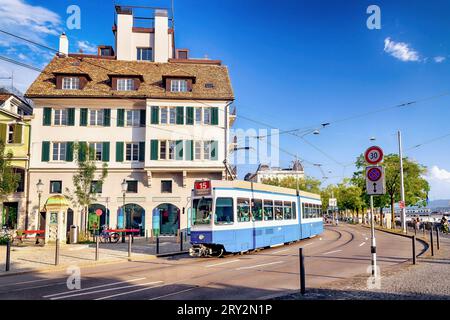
{"x": 27, "y": 197}
{"x": 226, "y": 138}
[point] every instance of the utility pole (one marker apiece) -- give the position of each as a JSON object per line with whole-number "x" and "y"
{"x": 402, "y": 185}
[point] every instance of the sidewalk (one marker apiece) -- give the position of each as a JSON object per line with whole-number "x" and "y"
{"x": 42, "y": 258}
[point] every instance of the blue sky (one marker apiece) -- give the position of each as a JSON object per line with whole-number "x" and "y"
{"x": 294, "y": 64}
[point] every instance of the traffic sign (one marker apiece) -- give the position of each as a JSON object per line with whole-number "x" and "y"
{"x": 375, "y": 182}
{"x": 374, "y": 155}
{"x": 332, "y": 202}
{"x": 401, "y": 204}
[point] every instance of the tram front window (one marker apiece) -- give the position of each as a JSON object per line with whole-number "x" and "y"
{"x": 202, "y": 211}
{"x": 224, "y": 211}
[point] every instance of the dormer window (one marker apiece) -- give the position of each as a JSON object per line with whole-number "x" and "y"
{"x": 178, "y": 85}
{"x": 125, "y": 84}
{"x": 71, "y": 83}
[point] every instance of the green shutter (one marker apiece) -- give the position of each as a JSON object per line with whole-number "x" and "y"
{"x": 17, "y": 133}
{"x": 106, "y": 117}
{"x": 47, "y": 120}
{"x": 105, "y": 151}
{"x": 154, "y": 145}
{"x": 69, "y": 152}
{"x": 45, "y": 157}
{"x": 143, "y": 118}
{"x": 180, "y": 115}
{"x": 119, "y": 151}
{"x": 82, "y": 150}
{"x": 214, "y": 150}
{"x": 83, "y": 117}
{"x": 91, "y": 151}
{"x": 71, "y": 117}
{"x": 189, "y": 115}
{"x": 179, "y": 150}
{"x": 3, "y": 128}
{"x": 214, "y": 116}
{"x": 155, "y": 115}
{"x": 190, "y": 150}
{"x": 120, "y": 117}
{"x": 142, "y": 151}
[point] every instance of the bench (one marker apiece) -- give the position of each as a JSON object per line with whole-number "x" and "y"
{"x": 39, "y": 234}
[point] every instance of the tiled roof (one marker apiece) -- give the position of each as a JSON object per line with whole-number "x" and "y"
{"x": 151, "y": 87}
{"x": 4, "y": 97}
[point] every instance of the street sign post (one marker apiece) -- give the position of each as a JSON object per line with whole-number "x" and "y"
{"x": 374, "y": 155}
{"x": 375, "y": 182}
{"x": 332, "y": 202}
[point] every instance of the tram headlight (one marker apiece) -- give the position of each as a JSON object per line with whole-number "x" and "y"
{"x": 201, "y": 237}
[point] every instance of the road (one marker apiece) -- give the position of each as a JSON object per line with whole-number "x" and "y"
{"x": 339, "y": 253}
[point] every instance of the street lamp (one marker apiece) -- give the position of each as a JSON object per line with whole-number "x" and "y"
{"x": 39, "y": 187}
{"x": 124, "y": 186}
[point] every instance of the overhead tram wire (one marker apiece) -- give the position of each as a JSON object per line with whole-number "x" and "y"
{"x": 428, "y": 142}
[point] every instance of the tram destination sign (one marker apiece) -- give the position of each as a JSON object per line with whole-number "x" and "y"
{"x": 202, "y": 188}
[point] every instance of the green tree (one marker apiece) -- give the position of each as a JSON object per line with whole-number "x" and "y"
{"x": 83, "y": 196}
{"x": 9, "y": 181}
{"x": 349, "y": 197}
{"x": 304, "y": 184}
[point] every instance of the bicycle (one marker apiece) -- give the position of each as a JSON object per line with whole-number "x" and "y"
{"x": 6, "y": 235}
{"x": 106, "y": 236}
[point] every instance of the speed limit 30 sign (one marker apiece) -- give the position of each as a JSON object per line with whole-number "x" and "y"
{"x": 373, "y": 155}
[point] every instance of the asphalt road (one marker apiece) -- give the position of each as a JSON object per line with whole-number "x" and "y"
{"x": 339, "y": 253}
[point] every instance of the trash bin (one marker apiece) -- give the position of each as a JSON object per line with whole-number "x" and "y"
{"x": 73, "y": 235}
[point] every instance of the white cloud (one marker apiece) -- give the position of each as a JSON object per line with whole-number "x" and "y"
{"x": 400, "y": 50}
{"x": 87, "y": 47}
{"x": 439, "y": 180}
{"x": 439, "y": 59}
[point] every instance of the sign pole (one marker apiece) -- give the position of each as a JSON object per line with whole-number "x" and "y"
{"x": 402, "y": 184}
{"x": 373, "y": 247}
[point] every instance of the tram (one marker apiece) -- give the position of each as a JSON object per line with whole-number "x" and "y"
{"x": 239, "y": 216}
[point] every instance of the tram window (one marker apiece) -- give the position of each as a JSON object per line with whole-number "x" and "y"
{"x": 243, "y": 208}
{"x": 268, "y": 210}
{"x": 278, "y": 210}
{"x": 294, "y": 211}
{"x": 224, "y": 211}
{"x": 287, "y": 210}
{"x": 202, "y": 210}
{"x": 257, "y": 210}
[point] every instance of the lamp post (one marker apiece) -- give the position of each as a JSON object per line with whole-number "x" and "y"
{"x": 124, "y": 186}
{"x": 39, "y": 187}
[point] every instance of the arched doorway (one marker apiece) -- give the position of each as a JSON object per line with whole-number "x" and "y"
{"x": 169, "y": 219}
{"x": 135, "y": 217}
{"x": 96, "y": 221}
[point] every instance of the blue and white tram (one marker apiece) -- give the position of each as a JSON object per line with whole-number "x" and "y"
{"x": 238, "y": 216}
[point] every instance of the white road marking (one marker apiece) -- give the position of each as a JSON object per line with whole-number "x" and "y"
{"x": 104, "y": 290}
{"x": 31, "y": 281}
{"x": 89, "y": 288}
{"x": 280, "y": 251}
{"x": 130, "y": 292}
{"x": 367, "y": 238}
{"x": 308, "y": 244}
{"x": 175, "y": 293}
{"x": 220, "y": 264}
{"x": 332, "y": 251}
{"x": 362, "y": 244}
{"x": 260, "y": 265}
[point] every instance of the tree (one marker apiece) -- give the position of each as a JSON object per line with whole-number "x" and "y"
{"x": 305, "y": 184}
{"x": 9, "y": 181}
{"x": 83, "y": 195}
{"x": 349, "y": 197}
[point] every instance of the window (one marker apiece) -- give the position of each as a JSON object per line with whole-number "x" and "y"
{"x": 173, "y": 115}
{"x": 21, "y": 173}
{"x": 294, "y": 211}
{"x": 287, "y": 210}
{"x": 201, "y": 211}
{"x": 96, "y": 117}
{"x": 243, "y": 210}
{"x": 224, "y": 211}
{"x": 61, "y": 117}
{"x": 311, "y": 210}
{"x": 164, "y": 115}
{"x": 166, "y": 186}
{"x": 55, "y": 186}
{"x": 96, "y": 186}
{"x": 172, "y": 147}
{"x": 268, "y": 210}
{"x": 257, "y": 210}
{"x": 198, "y": 150}
{"x": 163, "y": 150}
{"x": 133, "y": 118}
{"x": 198, "y": 115}
{"x": 207, "y": 150}
{"x": 278, "y": 210}
{"x": 10, "y": 133}
{"x": 96, "y": 151}
{"x": 106, "y": 52}
{"x": 132, "y": 152}
{"x": 125, "y": 84}
{"x": 71, "y": 83}
{"x": 207, "y": 116}
{"x": 178, "y": 86}
{"x": 132, "y": 186}
{"x": 144, "y": 54}
{"x": 59, "y": 151}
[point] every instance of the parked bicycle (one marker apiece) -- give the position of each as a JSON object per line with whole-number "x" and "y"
{"x": 106, "y": 236}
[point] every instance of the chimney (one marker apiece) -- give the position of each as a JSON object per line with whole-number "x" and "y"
{"x": 162, "y": 47}
{"x": 63, "y": 44}
{"x": 124, "y": 34}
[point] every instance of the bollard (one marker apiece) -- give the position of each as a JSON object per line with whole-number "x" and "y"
{"x": 157, "y": 244}
{"x": 97, "y": 241}
{"x": 431, "y": 240}
{"x": 181, "y": 240}
{"x": 130, "y": 239}
{"x": 437, "y": 237}
{"x": 302, "y": 272}
{"x": 123, "y": 237}
{"x": 57, "y": 252}
{"x": 146, "y": 235}
{"x": 8, "y": 255}
{"x": 414, "y": 249}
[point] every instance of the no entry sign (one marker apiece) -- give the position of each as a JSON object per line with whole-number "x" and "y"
{"x": 374, "y": 155}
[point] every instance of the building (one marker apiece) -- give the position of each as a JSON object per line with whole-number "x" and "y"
{"x": 158, "y": 118}
{"x": 15, "y": 118}
{"x": 265, "y": 172}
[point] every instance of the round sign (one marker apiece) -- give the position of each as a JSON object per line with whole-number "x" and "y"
{"x": 374, "y": 174}
{"x": 374, "y": 155}
{"x": 98, "y": 212}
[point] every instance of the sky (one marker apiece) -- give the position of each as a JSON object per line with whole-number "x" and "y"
{"x": 293, "y": 65}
